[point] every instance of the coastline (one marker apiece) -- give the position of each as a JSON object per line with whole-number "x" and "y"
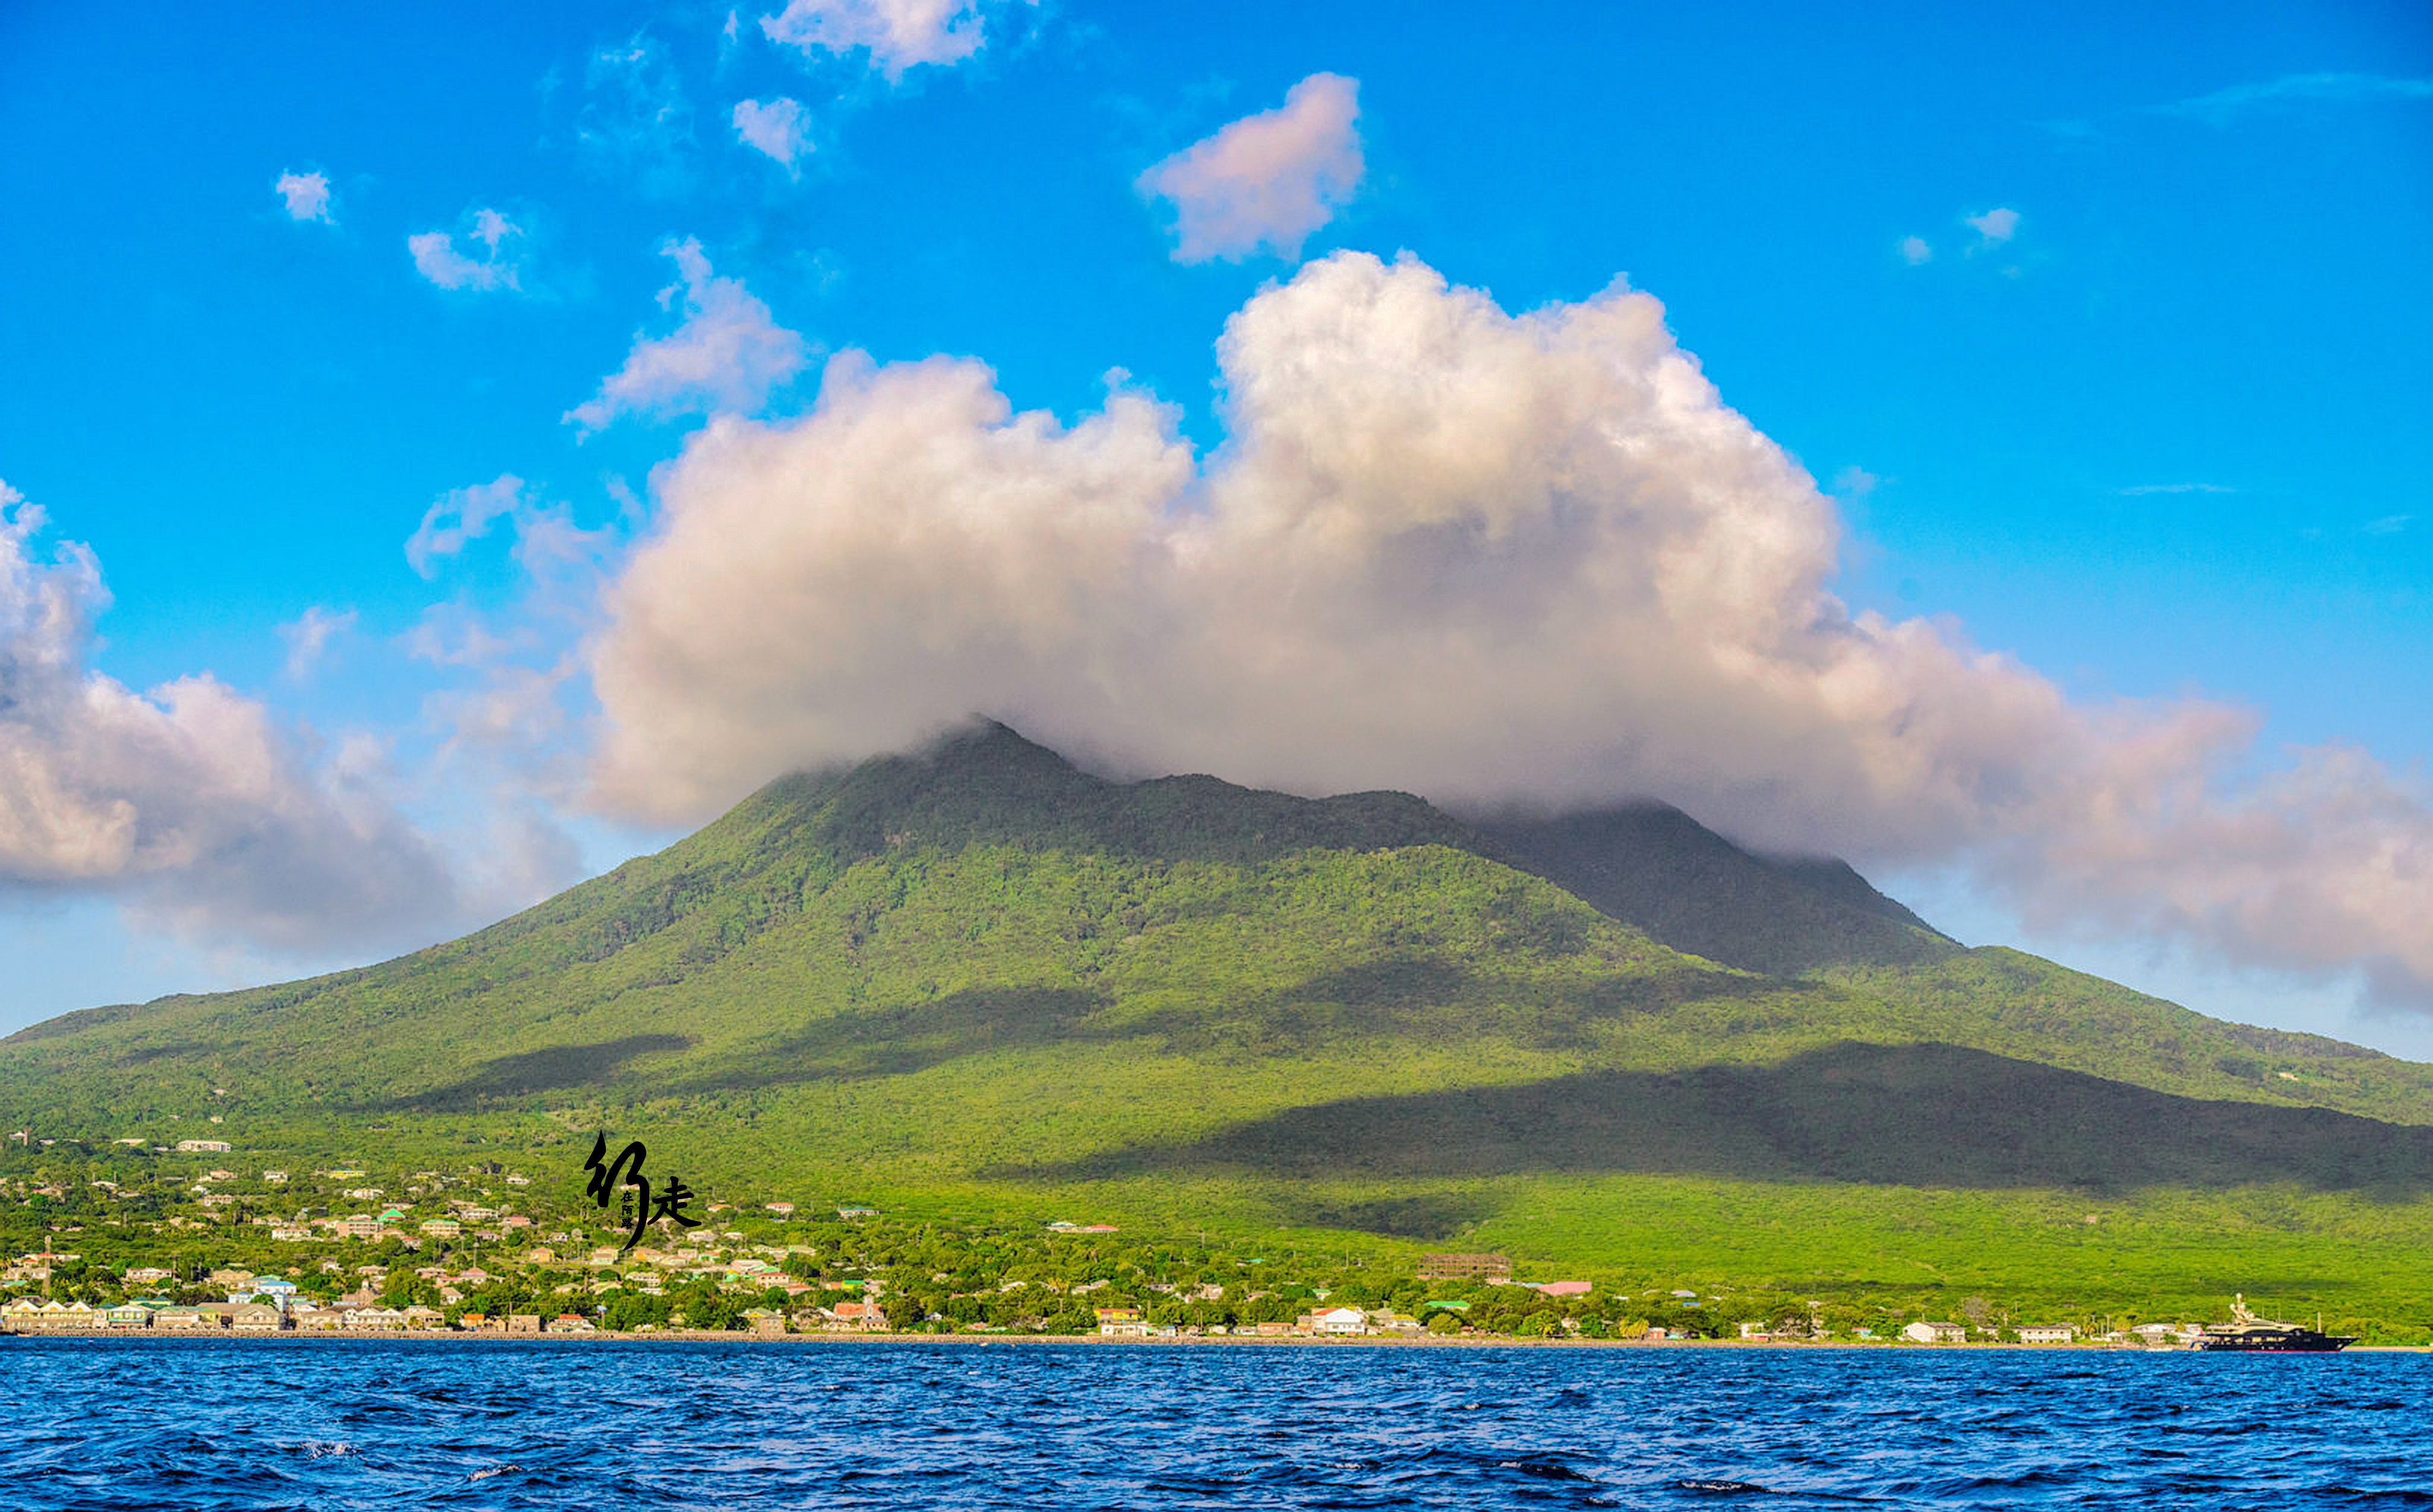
{"x": 147, "y": 1336}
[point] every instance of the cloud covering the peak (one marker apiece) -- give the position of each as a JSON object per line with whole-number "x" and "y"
{"x": 1487, "y": 557}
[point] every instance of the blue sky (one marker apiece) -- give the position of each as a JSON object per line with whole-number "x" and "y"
{"x": 2104, "y": 337}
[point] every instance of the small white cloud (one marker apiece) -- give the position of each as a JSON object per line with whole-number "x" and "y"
{"x": 307, "y": 196}
{"x": 1267, "y": 179}
{"x": 1915, "y": 251}
{"x": 459, "y": 516}
{"x": 2388, "y": 524}
{"x": 308, "y": 638}
{"x": 727, "y": 354}
{"x": 897, "y": 34}
{"x": 1855, "y": 484}
{"x": 2141, "y": 490}
{"x": 1992, "y": 228}
{"x": 500, "y": 266}
{"x": 778, "y": 127}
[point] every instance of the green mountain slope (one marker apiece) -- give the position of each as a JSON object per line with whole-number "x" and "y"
{"x": 977, "y": 976}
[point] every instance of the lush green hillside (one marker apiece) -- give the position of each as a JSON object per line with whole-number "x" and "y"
{"x": 978, "y": 979}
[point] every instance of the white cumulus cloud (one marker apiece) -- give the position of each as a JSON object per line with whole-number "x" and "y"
{"x": 188, "y": 802}
{"x": 1914, "y": 250}
{"x": 778, "y": 127}
{"x": 499, "y": 266}
{"x": 307, "y": 196}
{"x": 1486, "y": 557}
{"x": 1267, "y": 181}
{"x": 897, "y": 34}
{"x": 727, "y": 353}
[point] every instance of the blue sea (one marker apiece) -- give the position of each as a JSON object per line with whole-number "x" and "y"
{"x": 605, "y": 1427}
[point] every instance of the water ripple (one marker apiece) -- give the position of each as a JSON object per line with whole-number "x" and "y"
{"x": 250, "y": 1426}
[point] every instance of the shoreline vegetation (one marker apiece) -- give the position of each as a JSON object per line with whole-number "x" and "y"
{"x": 182, "y": 1247}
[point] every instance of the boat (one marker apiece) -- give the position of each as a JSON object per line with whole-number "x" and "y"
{"x": 2248, "y": 1333}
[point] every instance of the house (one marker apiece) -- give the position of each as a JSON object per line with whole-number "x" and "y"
{"x": 1926, "y": 1333}
{"x": 128, "y": 1314}
{"x": 2165, "y": 1336}
{"x": 783, "y": 1210}
{"x": 1116, "y": 1322}
{"x": 256, "y": 1318}
{"x": 207, "y": 1318}
{"x": 203, "y": 1147}
{"x": 1494, "y": 1269}
{"x": 763, "y": 1322}
{"x": 523, "y": 1323}
{"x": 422, "y": 1320}
{"x": 1337, "y": 1320}
{"x": 571, "y": 1323}
{"x": 360, "y": 1226}
{"x": 853, "y": 1316}
{"x": 441, "y": 1227}
{"x": 1563, "y": 1288}
{"x": 2054, "y": 1333}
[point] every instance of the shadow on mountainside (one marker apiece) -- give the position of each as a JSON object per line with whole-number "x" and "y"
{"x": 553, "y": 1070}
{"x": 1932, "y": 1115}
{"x": 901, "y": 1039}
{"x": 1395, "y": 997}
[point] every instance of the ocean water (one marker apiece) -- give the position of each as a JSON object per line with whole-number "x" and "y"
{"x": 340, "y": 1424}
